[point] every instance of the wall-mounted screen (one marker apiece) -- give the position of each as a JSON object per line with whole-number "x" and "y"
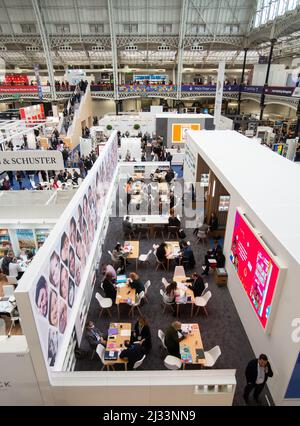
{"x": 224, "y": 203}
{"x": 255, "y": 266}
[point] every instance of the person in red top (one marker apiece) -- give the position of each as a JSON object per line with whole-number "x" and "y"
{"x": 55, "y": 184}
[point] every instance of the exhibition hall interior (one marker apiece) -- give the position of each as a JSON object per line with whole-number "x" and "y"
{"x": 149, "y": 216}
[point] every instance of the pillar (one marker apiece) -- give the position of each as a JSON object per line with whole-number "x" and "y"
{"x": 262, "y": 99}
{"x": 242, "y": 81}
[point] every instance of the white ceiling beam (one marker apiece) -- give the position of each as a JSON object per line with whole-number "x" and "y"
{"x": 113, "y": 46}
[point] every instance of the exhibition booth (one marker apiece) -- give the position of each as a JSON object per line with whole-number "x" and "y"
{"x": 262, "y": 252}
{"x": 27, "y": 217}
{"x": 72, "y": 252}
{"x": 173, "y": 127}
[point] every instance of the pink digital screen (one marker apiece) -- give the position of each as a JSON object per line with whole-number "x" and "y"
{"x": 255, "y": 267}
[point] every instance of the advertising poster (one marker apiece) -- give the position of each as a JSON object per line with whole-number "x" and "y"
{"x": 179, "y": 131}
{"x": 26, "y": 239}
{"x": 255, "y": 267}
{"x": 54, "y": 293}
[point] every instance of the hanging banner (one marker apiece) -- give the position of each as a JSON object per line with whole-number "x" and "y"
{"x": 219, "y": 94}
{"x": 30, "y": 160}
{"x": 38, "y": 81}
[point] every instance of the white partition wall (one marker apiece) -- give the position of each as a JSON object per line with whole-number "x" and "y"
{"x": 52, "y": 288}
{"x": 256, "y": 179}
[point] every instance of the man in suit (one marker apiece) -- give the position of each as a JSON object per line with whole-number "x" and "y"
{"x": 133, "y": 353}
{"x": 172, "y": 339}
{"x": 257, "y": 373}
{"x": 94, "y": 336}
{"x": 197, "y": 284}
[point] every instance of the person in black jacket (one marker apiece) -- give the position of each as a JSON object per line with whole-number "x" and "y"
{"x": 142, "y": 333}
{"x": 197, "y": 284}
{"x": 257, "y": 373}
{"x": 94, "y": 336}
{"x": 133, "y": 353}
{"x": 108, "y": 287}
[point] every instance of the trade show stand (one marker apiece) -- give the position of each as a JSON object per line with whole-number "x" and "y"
{"x": 173, "y": 127}
{"x": 259, "y": 249}
{"x": 143, "y": 168}
{"x": 177, "y": 156}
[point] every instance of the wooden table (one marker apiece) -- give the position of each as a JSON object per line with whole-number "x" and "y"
{"x": 125, "y": 294}
{"x": 174, "y": 247}
{"x": 193, "y": 341}
{"x": 185, "y": 292}
{"x": 115, "y": 342}
{"x": 135, "y": 252}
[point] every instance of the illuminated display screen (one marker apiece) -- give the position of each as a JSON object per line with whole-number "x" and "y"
{"x": 255, "y": 267}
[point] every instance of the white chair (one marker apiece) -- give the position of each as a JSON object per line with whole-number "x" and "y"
{"x": 104, "y": 302}
{"x": 205, "y": 288}
{"x": 147, "y": 285}
{"x": 202, "y": 301}
{"x": 202, "y": 237}
{"x": 155, "y": 247}
{"x": 11, "y": 280}
{"x": 161, "y": 336}
{"x": 79, "y": 180}
{"x": 139, "y": 363}
{"x": 211, "y": 356}
{"x": 144, "y": 258}
{"x": 136, "y": 305}
{"x": 170, "y": 305}
{"x": 165, "y": 282}
{"x": 8, "y": 290}
{"x": 100, "y": 350}
{"x": 159, "y": 263}
{"x": 172, "y": 362}
{"x": 179, "y": 271}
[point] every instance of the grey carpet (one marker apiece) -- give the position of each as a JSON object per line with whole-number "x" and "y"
{"x": 222, "y": 327}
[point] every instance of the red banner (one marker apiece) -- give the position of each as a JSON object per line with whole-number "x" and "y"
{"x": 18, "y": 89}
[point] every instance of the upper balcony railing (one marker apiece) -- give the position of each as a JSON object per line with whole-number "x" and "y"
{"x": 127, "y": 90}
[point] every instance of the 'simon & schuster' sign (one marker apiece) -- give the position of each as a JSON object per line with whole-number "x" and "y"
{"x": 30, "y": 160}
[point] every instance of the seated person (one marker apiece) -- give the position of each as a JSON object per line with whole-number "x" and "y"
{"x": 94, "y": 336}
{"x": 187, "y": 255}
{"x": 169, "y": 175}
{"x": 170, "y": 293}
{"x": 197, "y": 284}
{"x": 173, "y": 220}
{"x": 215, "y": 253}
{"x": 142, "y": 333}
{"x": 75, "y": 177}
{"x": 136, "y": 283}
{"x": 172, "y": 338}
{"x": 201, "y": 227}
{"x": 109, "y": 287}
{"x": 105, "y": 268}
{"x": 15, "y": 269}
{"x": 162, "y": 252}
{"x": 127, "y": 226}
{"x": 213, "y": 222}
{"x": 120, "y": 256}
{"x": 133, "y": 353}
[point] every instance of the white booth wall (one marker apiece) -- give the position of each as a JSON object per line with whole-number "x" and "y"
{"x": 220, "y": 150}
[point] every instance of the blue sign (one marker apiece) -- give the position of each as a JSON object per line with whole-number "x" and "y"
{"x": 293, "y": 390}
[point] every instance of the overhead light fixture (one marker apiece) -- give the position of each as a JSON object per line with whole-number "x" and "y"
{"x": 131, "y": 47}
{"x": 196, "y": 47}
{"x": 65, "y": 48}
{"x": 98, "y": 48}
{"x": 163, "y": 47}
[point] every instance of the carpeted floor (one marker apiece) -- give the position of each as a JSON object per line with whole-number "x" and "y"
{"x": 223, "y": 326}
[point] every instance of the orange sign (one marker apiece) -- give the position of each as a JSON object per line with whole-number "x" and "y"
{"x": 179, "y": 131}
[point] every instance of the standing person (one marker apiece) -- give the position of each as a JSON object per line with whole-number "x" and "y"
{"x": 142, "y": 333}
{"x": 19, "y": 176}
{"x": 173, "y": 337}
{"x": 257, "y": 372}
{"x": 65, "y": 154}
{"x": 128, "y": 190}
